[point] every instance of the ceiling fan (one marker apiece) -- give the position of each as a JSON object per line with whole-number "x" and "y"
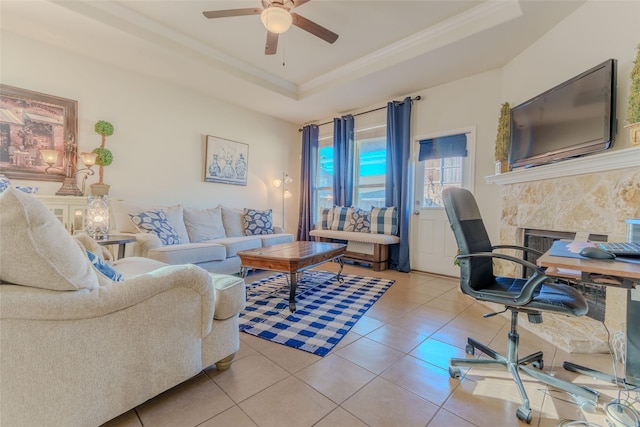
{"x": 277, "y": 18}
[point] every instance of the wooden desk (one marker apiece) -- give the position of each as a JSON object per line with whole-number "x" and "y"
{"x": 592, "y": 270}
{"x": 610, "y": 273}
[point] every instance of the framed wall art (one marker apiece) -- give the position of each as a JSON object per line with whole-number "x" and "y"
{"x": 226, "y": 161}
{"x": 30, "y": 122}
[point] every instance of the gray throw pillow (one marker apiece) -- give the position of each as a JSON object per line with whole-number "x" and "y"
{"x": 204, "y": 224}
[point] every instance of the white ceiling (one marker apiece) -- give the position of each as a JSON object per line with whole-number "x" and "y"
{"x": 385, "y": 49}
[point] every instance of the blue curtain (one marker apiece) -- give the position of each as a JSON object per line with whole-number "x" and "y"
{"x": 307, "y": 180}
{"x": 398, "y": 182}
{"x": 343, "y": 158}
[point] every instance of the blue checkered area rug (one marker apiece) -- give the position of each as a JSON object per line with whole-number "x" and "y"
{"x": 325, "y": 308}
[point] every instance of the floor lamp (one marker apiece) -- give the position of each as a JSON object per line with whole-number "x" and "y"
{"x": 286, "y": 194}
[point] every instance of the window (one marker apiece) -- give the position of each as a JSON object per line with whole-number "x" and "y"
{"x": 370, "y": 167}
{"x": 324, "y": 179}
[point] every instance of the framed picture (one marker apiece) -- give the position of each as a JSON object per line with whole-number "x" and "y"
{"x": 226, "y": 161}
{"x": 30, "y": 122}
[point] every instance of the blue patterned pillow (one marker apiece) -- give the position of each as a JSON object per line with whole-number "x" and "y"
{"x": 326, "y": 218}
{"x": 384, "y": 220}
{"x": 257, "y": 222}
{"x": 104, "y": 268}
{"x": 157, "y": 222}
{"x": 360, "y": 220}
{"x": 341, "y": 219}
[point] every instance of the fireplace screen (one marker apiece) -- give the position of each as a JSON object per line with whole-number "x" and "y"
{"x": 542, "y": 240}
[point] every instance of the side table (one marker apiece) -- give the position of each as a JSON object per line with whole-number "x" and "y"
{"x": 117, "y": 239}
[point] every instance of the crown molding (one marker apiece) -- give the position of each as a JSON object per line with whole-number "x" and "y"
{"x": 486, "y": 15}
{"x": 131, "y": 22}
{"x": 480, "y": 18}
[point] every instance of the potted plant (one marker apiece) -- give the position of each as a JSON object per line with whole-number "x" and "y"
{"x": 502, "y": 140}
{"x": 633, "y": 110}
{"x": 104, "y": 157}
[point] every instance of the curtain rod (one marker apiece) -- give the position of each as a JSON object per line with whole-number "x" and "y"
{"x": 417, "y": 98}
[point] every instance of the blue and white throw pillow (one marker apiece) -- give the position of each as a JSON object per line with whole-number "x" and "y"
{"x": 156, "y": 222}
{"x": 341, "y": 219}
{"x": 360, "y": 220}
{"x": 257, "y": 222}
{"x": 384, "y": 220}
{"x": 104, "y": 268}
{"x": 326, "y": 218}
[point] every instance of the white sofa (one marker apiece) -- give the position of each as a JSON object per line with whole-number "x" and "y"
{"x": 210, "y": 238}
{"x": 77, "y": 348}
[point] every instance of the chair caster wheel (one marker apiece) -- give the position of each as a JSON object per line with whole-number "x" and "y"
{"x": 454, "y": 372}
{"x": 538, "y": 364}
{"x": 524, "y": 414}
{"x": 586, "y": 405}
{"x": 470, "y": 350}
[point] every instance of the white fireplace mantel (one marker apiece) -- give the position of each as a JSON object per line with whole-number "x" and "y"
{"x": 602, "y": 162}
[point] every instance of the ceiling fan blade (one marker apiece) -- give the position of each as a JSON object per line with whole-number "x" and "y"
{"x": 231, "y": 12}
{"x": 313, "y": 28}
{"x": 298, "y": 3}
{"x": 272, "y": 43}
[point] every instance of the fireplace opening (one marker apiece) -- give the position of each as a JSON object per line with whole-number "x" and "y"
{"x": 542, "y": 240}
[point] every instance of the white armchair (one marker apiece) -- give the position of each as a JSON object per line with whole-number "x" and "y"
{"x": 78, "y": 349}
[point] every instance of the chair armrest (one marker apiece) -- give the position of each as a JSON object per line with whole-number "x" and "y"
{"x": 526, "y": 293}
{"x": 24, "y": 303}
{"x": 144, "y": 243}
{"x": 518, "y": 247}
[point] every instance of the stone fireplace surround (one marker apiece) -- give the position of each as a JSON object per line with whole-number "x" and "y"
{"x": 591, "y": 194}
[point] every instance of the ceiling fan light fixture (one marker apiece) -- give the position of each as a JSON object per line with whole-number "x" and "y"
{"x": 276, "y": 19}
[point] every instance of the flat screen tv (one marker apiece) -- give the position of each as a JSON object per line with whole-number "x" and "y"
{"x": 572, "y": 119}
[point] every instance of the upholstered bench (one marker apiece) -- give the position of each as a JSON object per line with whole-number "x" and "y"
{"x": 366, "y": 248}
{"x": 367, "y": 234}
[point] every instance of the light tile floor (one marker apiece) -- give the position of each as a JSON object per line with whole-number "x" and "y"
{"x": 390, "y": 370}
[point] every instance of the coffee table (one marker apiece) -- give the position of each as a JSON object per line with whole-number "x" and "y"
{"x": 292, "y": 258}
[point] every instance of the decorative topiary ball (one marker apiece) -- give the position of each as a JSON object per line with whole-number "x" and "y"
{"x": 104, "y": 128}
{"x": 105, "y": 158}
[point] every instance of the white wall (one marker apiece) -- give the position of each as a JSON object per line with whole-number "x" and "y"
{"x": 474, "y": 101}
{"x": 597, "y": 31}
{"x": 160, "y": 131}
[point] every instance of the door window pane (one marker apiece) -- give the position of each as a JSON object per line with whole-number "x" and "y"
{"x": 438, "y": 175}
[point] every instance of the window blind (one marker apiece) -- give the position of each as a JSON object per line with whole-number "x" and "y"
{"x": 443, "y": 147}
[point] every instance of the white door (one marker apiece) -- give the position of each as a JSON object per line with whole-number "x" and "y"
{"x": 433, "y": 246}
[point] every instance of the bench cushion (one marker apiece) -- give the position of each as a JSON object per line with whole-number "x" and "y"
{"x": 381, "y": 239}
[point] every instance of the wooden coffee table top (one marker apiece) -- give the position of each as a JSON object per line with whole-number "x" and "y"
{"x": 291, "y": 257}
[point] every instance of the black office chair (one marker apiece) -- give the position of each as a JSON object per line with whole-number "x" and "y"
{"x": 531, "y": 296}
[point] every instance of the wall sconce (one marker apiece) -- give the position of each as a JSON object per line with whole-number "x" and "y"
{"x": 69, "y": 186}
{"x": 286, "y": 194}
